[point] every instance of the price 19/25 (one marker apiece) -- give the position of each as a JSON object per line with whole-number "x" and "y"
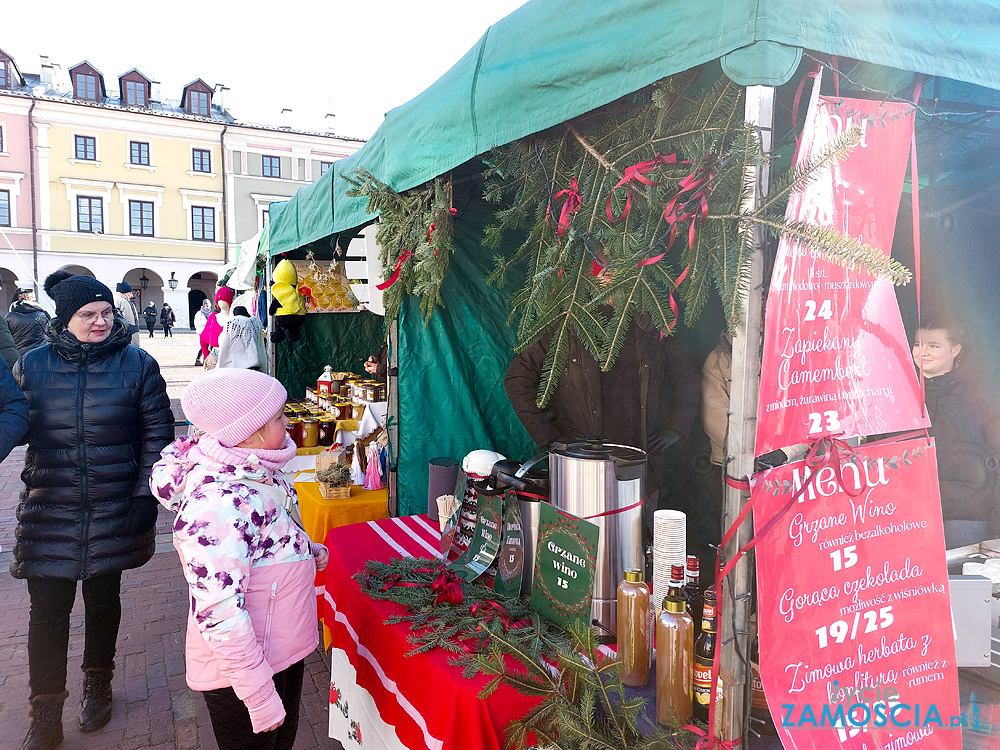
{"x": 840, "y": 629}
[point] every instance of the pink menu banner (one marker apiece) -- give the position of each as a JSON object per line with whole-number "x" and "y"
{"x": 836, "y": 360}
{"x": 854, "y": 619}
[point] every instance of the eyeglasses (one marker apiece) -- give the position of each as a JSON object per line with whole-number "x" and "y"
{"x": 89, "y": 318}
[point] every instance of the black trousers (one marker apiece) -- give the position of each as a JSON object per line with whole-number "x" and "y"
{"x": 150, "y": 327}
{"x": 48, "y": 628}
{"x": 231, "y": 720}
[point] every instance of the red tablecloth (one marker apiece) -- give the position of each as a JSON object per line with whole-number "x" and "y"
{"x": 427, "y": 701}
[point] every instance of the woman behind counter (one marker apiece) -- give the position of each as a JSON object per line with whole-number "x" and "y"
{"x": 965, "y": 424}
{"x": 98, "y": 418}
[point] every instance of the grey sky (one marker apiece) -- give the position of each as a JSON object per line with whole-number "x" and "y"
{"x": 355, "y": 59}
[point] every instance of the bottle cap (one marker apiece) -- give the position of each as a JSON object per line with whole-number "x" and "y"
{"x": 693, "y": 564}
{"x": 633, "y": 575}
{"x": 674, "y": 605}
{"x": 677, "y": 574}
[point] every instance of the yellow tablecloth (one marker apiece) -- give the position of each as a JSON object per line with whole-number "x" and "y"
{"x": 320, "y": 515}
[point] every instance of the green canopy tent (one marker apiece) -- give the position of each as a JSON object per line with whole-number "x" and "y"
{"x": 552, "y": 60}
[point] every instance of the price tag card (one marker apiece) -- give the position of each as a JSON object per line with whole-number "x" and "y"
{"x": 485, "y": 542}
{"x": 565, "y": 564}
{"x": 510, "y": 561}
{"x": 835, "y": 358}
{"x": 856, "y": 642}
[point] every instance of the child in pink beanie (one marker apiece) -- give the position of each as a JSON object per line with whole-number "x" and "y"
{"x": 250, "y": 568}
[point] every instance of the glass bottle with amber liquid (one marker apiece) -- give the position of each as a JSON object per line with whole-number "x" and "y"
{"x": 674, "y": 654}
{"x": 704, "y": 655}
{"x": 760, "y": 716}
{"x": 633, "y": 629}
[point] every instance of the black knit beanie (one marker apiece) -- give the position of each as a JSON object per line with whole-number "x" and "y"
{"x": 73, "y": 292}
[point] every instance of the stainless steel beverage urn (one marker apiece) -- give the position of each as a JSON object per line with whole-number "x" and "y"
{"x": 591, "y": 478}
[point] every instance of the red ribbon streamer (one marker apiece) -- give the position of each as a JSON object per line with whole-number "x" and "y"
{"x": 637, "y": 172}
{"x": 446, "y": 584}
{"x": 570, "y": 206}
{"x": 706, "y": 740}
{"x": 395, "y": 275}
{"x": 490, "y": 609}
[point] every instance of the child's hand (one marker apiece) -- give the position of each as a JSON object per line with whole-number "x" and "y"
{"x": 271, "y": 729}
{"x": 322, "y": 557}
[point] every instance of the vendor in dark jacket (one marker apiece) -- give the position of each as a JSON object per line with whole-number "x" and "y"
{"x": 965, "y": 424}
{"x": 27, "y": 322}
{"x": 649, "y": 399}
{"x": 99, "y": 416}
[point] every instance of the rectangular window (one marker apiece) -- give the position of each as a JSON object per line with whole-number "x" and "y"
{"x": 324, "y": 167}
{"x": 86, "y": 147}
{"x": 139, "y": 153}
{"x": 1, "y": 139}
{"x": 140, "y": 215}
{"x": 4, "y": 208}
{"x": 89, "y": 214}
{"x": 135, "y": 93}
{"x": 199, "y": 102}
{"x": 201, "y": 160}
{"x": 86, "y": 86}
{"x": 272, "y": 166}
{"x": 203, "y": 223}
{"x": 3, "y": 74}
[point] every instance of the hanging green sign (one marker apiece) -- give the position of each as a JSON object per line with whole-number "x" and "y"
{"x": 485, "y": 542}
{"x": 510, "y": 561}
{"x": 565, "y": 564}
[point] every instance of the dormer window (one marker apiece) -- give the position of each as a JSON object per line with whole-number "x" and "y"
{"x": 135, "y": 94}
{"x": 197, "y": 99}
{"x": 4, "y": 77}
{"x": 199, "y": 103}
{"x": 134, "y": 89}
{"x": 88, "y": 86}
{"x": 85, "y": 87}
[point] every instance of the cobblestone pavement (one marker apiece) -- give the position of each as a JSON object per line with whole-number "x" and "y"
{"x": 153, "y": 707}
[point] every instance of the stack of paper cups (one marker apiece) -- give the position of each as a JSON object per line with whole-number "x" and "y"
{"x": 669, "y": 548}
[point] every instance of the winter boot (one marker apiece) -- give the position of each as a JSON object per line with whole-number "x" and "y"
{"x": 95, "y": 708}
{"x": 45, "y": 732}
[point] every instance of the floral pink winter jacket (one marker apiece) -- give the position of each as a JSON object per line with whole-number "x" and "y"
{"x": 250, "y": 572}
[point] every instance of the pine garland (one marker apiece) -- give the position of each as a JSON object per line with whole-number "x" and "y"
{"x": 682, "y": 225}
{"x": 416, "y": 237}
{"x": 583, "y": 702}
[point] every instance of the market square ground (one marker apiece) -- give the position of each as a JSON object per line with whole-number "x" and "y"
{"x": 153, "y": 706}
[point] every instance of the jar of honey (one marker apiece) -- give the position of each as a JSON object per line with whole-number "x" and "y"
{"x": 310, "y": 432}
{"x": 294, "y": 430}
{"x": 327, "y": 428}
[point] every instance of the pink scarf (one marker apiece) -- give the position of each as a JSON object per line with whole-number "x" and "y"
{"x": 272, "y": 460}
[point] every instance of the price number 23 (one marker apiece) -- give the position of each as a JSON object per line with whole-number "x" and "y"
{"x": 828, "y": 421}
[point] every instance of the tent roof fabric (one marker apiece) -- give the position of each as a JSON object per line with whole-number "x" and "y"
{"x": 552, "y": 60}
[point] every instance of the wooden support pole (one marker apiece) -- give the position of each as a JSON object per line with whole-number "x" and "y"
{"x": 744, "y": 387}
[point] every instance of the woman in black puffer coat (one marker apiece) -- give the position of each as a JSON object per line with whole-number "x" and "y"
{"x": 99, "y": 417}
{"x": 965, "y": 424}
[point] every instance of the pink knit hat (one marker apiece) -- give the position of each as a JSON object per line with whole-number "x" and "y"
{"x": 225, "y": 293}
{"x": 231, "y": 404}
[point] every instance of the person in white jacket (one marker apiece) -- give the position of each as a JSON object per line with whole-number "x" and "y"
{"x": 250, "y": 567}
{"x": 241, "y": 343}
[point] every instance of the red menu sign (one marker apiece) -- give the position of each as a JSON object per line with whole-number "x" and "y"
{"x": 835, "y": 358}
{"x": 856, "y": 641}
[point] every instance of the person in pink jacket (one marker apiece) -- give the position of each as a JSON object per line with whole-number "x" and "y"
{"x": 250, "y": 567}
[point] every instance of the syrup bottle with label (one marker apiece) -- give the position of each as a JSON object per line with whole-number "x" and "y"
{"x": 704, "y": 655}
{"x": 674, "y": 654}
{"x": 692, "y": 588}
{"x": 633, "y": 628}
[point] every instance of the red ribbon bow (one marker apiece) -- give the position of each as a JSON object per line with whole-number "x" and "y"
{"x": 704, "y": 740}
{"x": 448, "y": 588}
{"x": 570, "y": 206}
{"x": 395, "y": 275}
{"x": 637, "y": 172}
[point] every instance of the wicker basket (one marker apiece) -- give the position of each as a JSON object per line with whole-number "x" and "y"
{"x": 329, "y": 492}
